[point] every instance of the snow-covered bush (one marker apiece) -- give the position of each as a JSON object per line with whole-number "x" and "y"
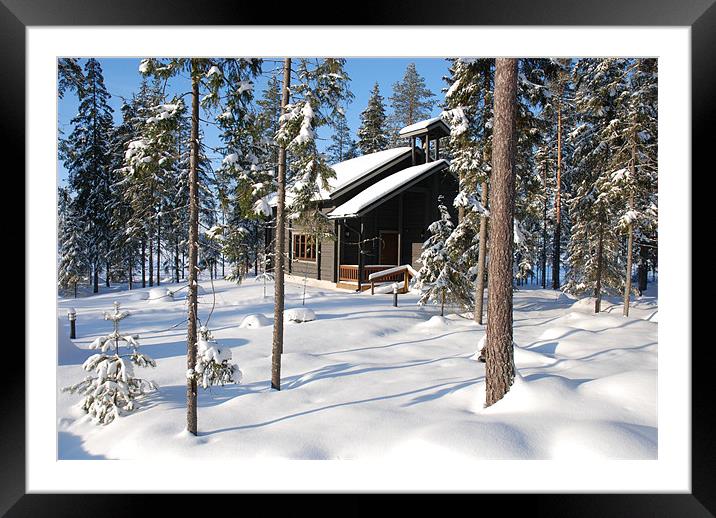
{"x": 213, "y": 362}
{"x": 112, "y": 386}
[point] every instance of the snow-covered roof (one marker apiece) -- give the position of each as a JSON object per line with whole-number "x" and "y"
{"x": 386, "y": 188}
{"x": 422, "y": 126}
{"x": 351, "y": 171}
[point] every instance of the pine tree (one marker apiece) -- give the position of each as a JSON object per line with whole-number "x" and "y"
{"x": 411, "y": 101}
{"x": 342, "y": 147}
{"x": 499, "y": 355}
{"x": 73, "y": 260}
{"x": 469, "y": 114}
{"x": 595, "y": 261}
{"x": 373, "y": 133}
{"x": 86, "y": 156}
{"x": 442, "y": 277}
{"x": 69, "y": 76}
{"x": 113, "y": 388}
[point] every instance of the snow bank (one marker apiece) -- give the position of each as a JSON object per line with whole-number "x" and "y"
{"x": 299, "y": 315}
{"x": 435, "y": 322}
{"x": 160, "y": 295}
{"x": 255, "y": 321}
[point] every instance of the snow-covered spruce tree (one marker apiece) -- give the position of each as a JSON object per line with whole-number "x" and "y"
{"x": 73, "y": 261}
{"x": 69, "y": 76}
{"x": 373, "y": 131}
{"x": 595, "y": 262}
{"x": 214, "y": 364}
{"x": 635, "y": 188}
{"x": 442, "y": 278}
{"x": 411, "y": 102}
{"x": 85, "y": 153}
{"x": 112, "y": 387}
{"x": 468, "y": 112}
{"x": 248, "y": 168}
{"x": 342, "y": 147}
{"x": 316, "y": 101}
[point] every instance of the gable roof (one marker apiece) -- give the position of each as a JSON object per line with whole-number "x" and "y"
{"x": 387, "y": 188}
{"x": 356, "y": 170}
{"x": 436, "y": 124}
{"x": 353, "y": 172}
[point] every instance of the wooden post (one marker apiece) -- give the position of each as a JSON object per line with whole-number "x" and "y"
{"x": 426, "y": 143}
{"x": 412, "y": 150}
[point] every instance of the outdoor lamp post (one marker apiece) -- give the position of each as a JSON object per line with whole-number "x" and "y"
{"x": 72, "y": 317}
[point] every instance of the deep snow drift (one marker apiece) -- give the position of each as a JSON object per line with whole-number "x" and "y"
{"x": 365, "y": 380}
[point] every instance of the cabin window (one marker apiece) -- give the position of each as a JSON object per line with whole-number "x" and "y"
{"x": 304, "y": 247}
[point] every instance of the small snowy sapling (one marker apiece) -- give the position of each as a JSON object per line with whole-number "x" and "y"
{"x": 112, "y": 387}
{"x": 213, "y": 363}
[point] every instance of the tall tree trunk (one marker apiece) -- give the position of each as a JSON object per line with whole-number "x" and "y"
{"x": 151, "y": 261}
{"x": 499, "y": 357}
{"x": 106, "y": 276}
{"x": 159, "y": 247}
{"x": 176, "y": 258}
{"x": 481, "y": 255}
{"x": 600, "y": 267}
{"x": 630, "y": 234}
{"x": 144, "y": 263}
{"x": 131, "y": 272}
{"x": 191, "y": 347}
{"x": 277, "y": 346}
{"x": 544, "y": 232}
{"x": 95, "y": 284}
{"x": 557, "y": 243}
{"x": 643, "y": 268}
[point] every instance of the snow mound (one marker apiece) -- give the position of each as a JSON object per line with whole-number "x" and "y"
{"x": 603, "y": 440}
{"x": 384, "y": 288}
{"x": 435, "y": 322}
{"x": 255, "y": 321}
{"x": 137, "y": 295}
{"x": 160, "y": 294}
{"x": 556, "y": 332}
{"x": 480, "y": 346}
{"x": 299, "y": 315}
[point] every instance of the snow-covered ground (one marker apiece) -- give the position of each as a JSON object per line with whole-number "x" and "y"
{"x": 365, "y": 380}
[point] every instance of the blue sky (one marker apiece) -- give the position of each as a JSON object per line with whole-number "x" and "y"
{"x": 122, "y": 78}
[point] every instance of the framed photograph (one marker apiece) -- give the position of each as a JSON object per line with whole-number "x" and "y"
{"x": 371, "y": 142}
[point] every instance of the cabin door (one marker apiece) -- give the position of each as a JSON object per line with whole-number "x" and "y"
{"x": 388, "y": 247}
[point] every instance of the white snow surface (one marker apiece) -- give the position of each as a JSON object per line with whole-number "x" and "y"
{"x": 380, "y": 189}
{"x": 302, "y": 314}
{"x": 370, "y": 381}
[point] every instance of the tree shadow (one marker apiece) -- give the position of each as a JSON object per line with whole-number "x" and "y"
{"x": 71, "y": 447}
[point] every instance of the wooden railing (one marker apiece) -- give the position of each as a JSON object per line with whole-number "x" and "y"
{"x": 401, "y": 274}
{"x": 349, "y": 272}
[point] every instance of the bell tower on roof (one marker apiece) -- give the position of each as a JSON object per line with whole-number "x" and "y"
{"x": 429, "y": 130}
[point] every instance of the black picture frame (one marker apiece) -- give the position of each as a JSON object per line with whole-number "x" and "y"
{"x": 700, "y": 15}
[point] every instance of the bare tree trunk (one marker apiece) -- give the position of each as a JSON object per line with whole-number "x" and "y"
{"x": 144, "y": 263}
{"x": 642, "y": 269}
{"x": 557, "y": 243}
{"x": 499, "y": 357}
{"x": 191, "y": 349}
{"x": 277, "y": 345}
{"x": 544, "y": 232}
{"x": 159, "y": 247}
{"x": 176, "y": 258}
{"x": 598, "y": 286}
{"x": 482, "y": 254}
{"x": 95, "y": 287}
{"x": 106, "y": 274}
{"x": 630, "y": 238}
{"x": 151, "y": 261}
{"x": 131, "y": 273}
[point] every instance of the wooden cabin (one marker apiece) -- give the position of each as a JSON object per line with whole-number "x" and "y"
{"x": 379, "y": 206}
